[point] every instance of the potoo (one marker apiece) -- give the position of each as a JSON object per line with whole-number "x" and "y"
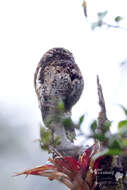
{"x": 57, "y": 79}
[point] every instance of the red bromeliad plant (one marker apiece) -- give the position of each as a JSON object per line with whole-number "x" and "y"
{"x": 77, "y": 173}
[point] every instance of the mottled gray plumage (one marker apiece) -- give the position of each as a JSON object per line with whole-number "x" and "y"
{"x": 57, "y": 78}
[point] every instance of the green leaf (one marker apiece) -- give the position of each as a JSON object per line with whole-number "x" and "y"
{"x": 100, "y": 137}
{"x": 124, "y": 109}
{"x": 81, "y": 119}
{"x": 56, "y": 141}
{"x": 68, "y": 123}
{"x": 123, "y": 131}
{"x": 115, "y": 143}
{"x": 124, "y": 142}
{"x": 61, "y": 106}
{"x": 48, "y": 122}
{"x": 122, "y": 124}
{"x": 113, "y": 152}
{"x": 118, "y": 19}
{"x": 93, "y": 126}
{"x": 46, "y": 135}
{"x": 45, "y": 147}
{"x": 107, "y": 125}
{"x": 42, "y": 131}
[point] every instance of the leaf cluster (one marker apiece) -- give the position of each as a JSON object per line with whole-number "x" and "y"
{"x": 114, "y": 144}
{"x": 47, "y": 139}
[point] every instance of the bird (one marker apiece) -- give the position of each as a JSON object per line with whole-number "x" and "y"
{"x": 58, "y": 79}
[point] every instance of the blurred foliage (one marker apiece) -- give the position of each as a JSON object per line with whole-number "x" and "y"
{"x": 99, "y": 22}
{"x": 115, "y": 144}
{"x": 123, "y": 63}
{"x": 101, "y": 19}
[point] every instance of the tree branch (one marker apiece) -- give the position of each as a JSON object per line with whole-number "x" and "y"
{"x": 102, "y": 118}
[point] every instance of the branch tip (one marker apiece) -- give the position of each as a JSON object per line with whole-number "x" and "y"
{"x": 102, "y": 118}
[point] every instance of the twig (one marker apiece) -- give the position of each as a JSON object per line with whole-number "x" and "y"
{"x": 114, "y": 26}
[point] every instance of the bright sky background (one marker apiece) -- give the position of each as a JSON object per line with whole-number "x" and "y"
{"x": 30, "y": 27}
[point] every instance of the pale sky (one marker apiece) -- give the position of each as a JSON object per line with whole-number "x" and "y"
{"x": 30, "y": 27}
